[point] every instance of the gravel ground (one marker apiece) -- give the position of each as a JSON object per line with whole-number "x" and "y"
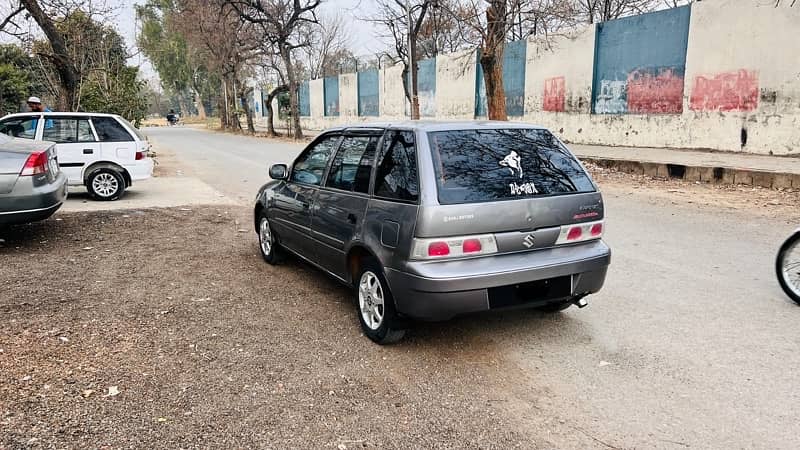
{"x": 133, "y": 336}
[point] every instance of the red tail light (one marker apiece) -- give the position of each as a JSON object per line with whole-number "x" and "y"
{"x": 438, "y": 249}
{"x": 140, "y": 156}
{"x": 35, "y": 164}
{"x": 574, "y": 234}
{"x": 587, "y": 231}
{"x": 453, "y": 247}
{"x": 471, "y": 246}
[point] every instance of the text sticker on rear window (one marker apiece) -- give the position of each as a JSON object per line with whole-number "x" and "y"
{"x": 523, "y": 189}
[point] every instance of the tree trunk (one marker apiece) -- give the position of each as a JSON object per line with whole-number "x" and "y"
{"x": 67, "y": 73}
{"x": 270, "y": 113}
{"x": 183, "y": 106}
{"x": 414, "y": 81}
{"x": 247, "y": 111}
{"x": 270, "y": 118}
{"x": 406, "y": 83}
{"x": 492, "y": 60}
{"x": 294, "y": 105}
{"x": 201, "y": 107}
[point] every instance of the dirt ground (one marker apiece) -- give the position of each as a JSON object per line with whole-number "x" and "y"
{"x": 162, "y": 328}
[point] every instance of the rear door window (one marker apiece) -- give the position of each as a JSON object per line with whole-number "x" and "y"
{"x": 65, "y": 130}
{"x": 109, "y": 130}
{"x": 352, "y": 165}
{"x": 503, "y": 164}
{"x": 396, "y": 168}
{"x": 310, "y": 166}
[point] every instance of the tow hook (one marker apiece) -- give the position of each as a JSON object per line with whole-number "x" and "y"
{"x": 581, "y": 303}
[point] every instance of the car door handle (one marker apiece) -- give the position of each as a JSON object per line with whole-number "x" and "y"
{"x": 352, "y": 218}
{"x": 88, "y": 151}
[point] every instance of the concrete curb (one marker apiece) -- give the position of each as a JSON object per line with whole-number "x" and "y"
{"x": 707, "y": 174}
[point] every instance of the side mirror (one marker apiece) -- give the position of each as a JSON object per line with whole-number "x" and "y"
{"x": 279, "y": 172}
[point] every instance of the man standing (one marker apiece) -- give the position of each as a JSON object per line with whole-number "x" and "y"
{"x": 35, "y": 105}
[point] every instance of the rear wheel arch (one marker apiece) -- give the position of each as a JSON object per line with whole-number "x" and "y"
{"x": 107, "y": 165}
{"x": 356, "y": 256}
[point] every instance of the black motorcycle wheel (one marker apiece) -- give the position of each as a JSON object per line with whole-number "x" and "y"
{"x": 787, "y": 267}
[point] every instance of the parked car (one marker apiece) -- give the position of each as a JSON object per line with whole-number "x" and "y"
{"x": 31, "y": 185}
{"x": 103, "y": 152}
{"x": 432, "y": 220}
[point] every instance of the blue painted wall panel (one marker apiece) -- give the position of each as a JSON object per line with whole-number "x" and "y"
{"x": 304, "y": 96}
{"x": 514, "y": 78}
{"x": 426, "y": 86}
{"x": 330, "y": 86}
{"x": 649, "y": 50}
{"x": 513, "y": 81}
{"x": 368, "y": 94}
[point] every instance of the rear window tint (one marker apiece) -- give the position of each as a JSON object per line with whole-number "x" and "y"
{"x": 109, "y": 130}
{"x": 135, "y": 130}
{"x": 486, "y": 165}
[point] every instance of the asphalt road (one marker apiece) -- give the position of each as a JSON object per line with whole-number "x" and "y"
{"x": 690, "y": 344}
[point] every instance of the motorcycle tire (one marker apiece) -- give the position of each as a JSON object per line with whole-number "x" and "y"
{"x": 791, "y": 289}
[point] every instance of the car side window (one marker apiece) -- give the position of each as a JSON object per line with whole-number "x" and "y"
{"x": 310, "y": 166}
{"x": 396, "y": 172}
{"x": 65, "y": 130}
{"x": 352, "y": 165}
{"x": 109, "y": 130}
{"x": 20, "y": 127}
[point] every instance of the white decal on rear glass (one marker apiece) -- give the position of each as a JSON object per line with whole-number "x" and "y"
{"x": 514, "y": 163}
{"x": 524, "y": 188}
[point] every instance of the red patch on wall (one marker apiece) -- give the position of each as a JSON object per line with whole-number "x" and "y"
{"x": 655, "y": 93}
{"x": 729, "y": 91}
{"x": 554, "y": 94}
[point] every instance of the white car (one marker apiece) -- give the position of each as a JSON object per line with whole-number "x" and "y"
{"x": 103, "y": 152}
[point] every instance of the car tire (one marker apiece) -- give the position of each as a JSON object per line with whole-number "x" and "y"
{"x": 375, "y": 306}
{"x": 105, "y": 184}
{"x": 555, "y": 306}
{"x": 267, "y": 243}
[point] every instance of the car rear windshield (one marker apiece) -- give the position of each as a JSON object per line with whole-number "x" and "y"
{"x": 503, "y": 164}
{"x": 135, "y": 130}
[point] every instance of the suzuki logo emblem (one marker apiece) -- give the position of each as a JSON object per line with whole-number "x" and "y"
{"x": 529, "y": 241}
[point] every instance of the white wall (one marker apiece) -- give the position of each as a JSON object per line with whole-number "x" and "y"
{"x": 455, "y": 85}
{"x": 392, "y": 94}
{"x": 728, "y": 36}
{"x": 348, "y": 96}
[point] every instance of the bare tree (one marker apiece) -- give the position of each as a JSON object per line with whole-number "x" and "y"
{"x": 227, "y": 43}
{"x": 491, "y": 23}
{"x": 394, "y": 16}
{"x": 593, "y": 11}
{"x": 328, "y": 49}
{"x": 282, "y": 22}
{"x": 67, "y": 72}
{"x": 273, "y": 76}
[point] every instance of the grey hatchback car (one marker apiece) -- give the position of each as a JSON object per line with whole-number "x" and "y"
{"x": 431, "y": 220}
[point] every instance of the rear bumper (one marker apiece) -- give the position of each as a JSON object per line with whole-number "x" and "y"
{"x": 441, "y": 290}
{"x": 140, "y": 170}
{"x": 30, "y": 204}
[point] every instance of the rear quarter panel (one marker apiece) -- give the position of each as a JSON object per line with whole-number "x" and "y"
{"x": 389, "y": 229}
